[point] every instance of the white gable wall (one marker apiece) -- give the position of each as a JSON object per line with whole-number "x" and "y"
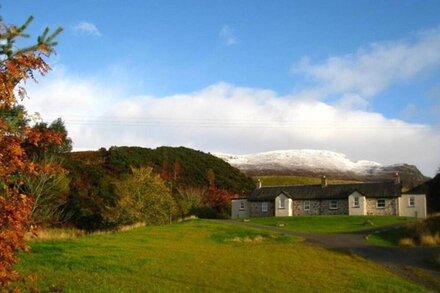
{"x": 419, "y": 208}
{"x": 237, "y": 210}
{"x": 287, "y": 210}
{"x": 357, "y": 211}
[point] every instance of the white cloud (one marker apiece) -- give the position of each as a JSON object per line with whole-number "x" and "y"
{"x": 410, "y": 111}
{"x": 85, "y": 28}
{"x": 227, "y": 35}
{"x": 227, "y": 118}
{"x": 373, "y": 68}
{"x": 352, "y": 101}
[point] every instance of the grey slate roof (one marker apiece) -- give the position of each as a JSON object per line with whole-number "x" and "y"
{"x": 335, "y": 191}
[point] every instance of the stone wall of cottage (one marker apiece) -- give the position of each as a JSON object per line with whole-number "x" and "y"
{"x": 256, "y": 209}
{"x": 391, "y": 207}
{"x": 298, "y": 208}
{"x": 341, "y": 210}
{"x": 320, "y": 207}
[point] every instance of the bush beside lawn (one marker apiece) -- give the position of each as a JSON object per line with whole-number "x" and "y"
{"x": 420, "y": 233}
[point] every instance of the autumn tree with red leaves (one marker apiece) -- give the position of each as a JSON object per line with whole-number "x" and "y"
{"x": 17, "y": 138}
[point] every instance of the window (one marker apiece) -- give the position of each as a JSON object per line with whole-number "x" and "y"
{"x": 333, "y": 204}
{"x": 356, "y": 202}
{"x": 380, "y": 203}
{"x": 307, "y": 205}
{"x": 412, "y": 201}
{"x": 242, "y": 205}
{"x": 282, "y": 203}
{"x": 264, "y": 207}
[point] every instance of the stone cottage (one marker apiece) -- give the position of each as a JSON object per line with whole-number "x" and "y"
{"x": 371, "y": 198}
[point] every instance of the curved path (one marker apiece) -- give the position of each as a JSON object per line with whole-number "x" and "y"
{"x": 397, "y": 259}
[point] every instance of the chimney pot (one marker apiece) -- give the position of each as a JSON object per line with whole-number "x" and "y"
{"x": 397, "y": 178}
{"x": 323, "y": 181}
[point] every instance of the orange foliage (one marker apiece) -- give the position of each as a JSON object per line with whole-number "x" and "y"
{"x": 218, "y": 199}
{"x": 15, "y": 207}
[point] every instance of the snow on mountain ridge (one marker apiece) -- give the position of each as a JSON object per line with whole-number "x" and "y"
{"x": 300, "y": 159}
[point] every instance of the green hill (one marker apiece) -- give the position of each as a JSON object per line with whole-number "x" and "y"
{"x": 93, "y": 174}
{"x": 183, "y": 165}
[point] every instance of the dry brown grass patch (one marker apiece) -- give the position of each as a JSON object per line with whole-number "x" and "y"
{"x": 247, "y": 239}
{"x": 430, "y": 239}
{"x": 408, "y": 242}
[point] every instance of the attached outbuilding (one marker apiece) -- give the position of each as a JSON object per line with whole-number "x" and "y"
{"x": 412, "y": 205}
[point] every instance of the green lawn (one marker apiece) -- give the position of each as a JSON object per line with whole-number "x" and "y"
{"x": 202, "y": 256}
{"x": 330, "y": 224}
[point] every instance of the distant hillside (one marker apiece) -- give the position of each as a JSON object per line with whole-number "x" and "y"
{"x": 315, "y": 163}
{"x": 183, "y": 165}
{"x": 275, "y": 180}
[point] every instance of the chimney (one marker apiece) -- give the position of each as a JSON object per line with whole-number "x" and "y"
{"x": 397, "y": 178}
{"x": 258, "y": 183}
{"x": 323, "y": 181}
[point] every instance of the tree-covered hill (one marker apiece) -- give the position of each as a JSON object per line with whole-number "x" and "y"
{"x": 198, "y": 182}
{"x": 183, "y": 166}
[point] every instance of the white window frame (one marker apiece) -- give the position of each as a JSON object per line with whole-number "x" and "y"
{"x": 242, "y": 206}
{"x": 379, "y": 206}
{"x": 307, "y": 205}
{"x": 264, "y": 206}
{"x": 282, "y": 204}
{"x": 411, "y": 201}
{"x": 356, "y": 202}
{"x": 333, "y": 207}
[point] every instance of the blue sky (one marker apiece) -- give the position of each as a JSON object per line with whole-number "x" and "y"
{"x": 349, "y": 59}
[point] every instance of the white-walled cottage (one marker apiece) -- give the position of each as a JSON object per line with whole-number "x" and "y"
{"x": 357, "y": 199}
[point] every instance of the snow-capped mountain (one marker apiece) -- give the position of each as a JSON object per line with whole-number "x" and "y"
{"x": 320, "y": 162}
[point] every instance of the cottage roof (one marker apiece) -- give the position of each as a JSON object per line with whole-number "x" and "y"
{"x": 335, "y": 191}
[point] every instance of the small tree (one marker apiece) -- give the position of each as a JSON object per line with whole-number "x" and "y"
{"x": 143, "y": 197}
{"x": 49, "y": 189}
{"x": 189, "y": 198}
{"x": 16, "y": 66}
{"x": 210, "y": 176}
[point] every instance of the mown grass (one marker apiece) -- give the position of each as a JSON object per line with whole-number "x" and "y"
{"x": 330, "y": 224}
{"x": 295, "y": 180}
{"x": 198, "y": 256}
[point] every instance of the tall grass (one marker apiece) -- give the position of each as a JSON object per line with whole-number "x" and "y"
{"x": 419, "y": 233}
{"x": 426, "y": 232}
{"x": 68, "y": 233}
